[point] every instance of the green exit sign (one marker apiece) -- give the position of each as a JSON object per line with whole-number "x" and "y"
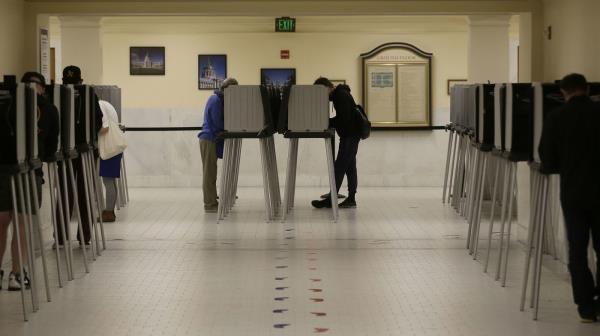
{"x": 285, "y": 24}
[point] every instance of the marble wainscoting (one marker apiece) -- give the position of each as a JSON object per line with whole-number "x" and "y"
{"x": 172, "y": 159}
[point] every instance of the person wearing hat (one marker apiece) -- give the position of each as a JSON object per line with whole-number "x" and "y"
{"x": 48, "y": 132}
{"x": 72, "y": 75}
{"x": 211, "y": 147}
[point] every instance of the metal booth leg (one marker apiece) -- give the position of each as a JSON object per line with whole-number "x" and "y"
{"x": 124, "y": 179}
{"x": 265, "y": 179}
{"x": 505, "y": 201}
{"x": 492, "y": 215}
{"x": 479, "y": 202}
{"x": 473, "y": 184}
{"x": 99, "y": 198}
{"x": 88, "y": 204}
{"x": 79, "y": 221}
{"x": 30, "y": 240}
{"x": 452, "y": 166}
{"x": 513, "y": 185}
{"x": 446, "y": 171}
{"x": 332, "y": 182}
{"x": 96, "y": 217}
{"x": 38, "y": 229}
{"x": 533, "y": 224}
{"x": 540, "y": 251}
{"x": 222, "y": 191}
{"x": 17, "y": 232}
{"x": 63, "y": 217}
{"x": 288, "y": 180}
{"x": 55, "y": 220}
{"x": 294, "y": 172}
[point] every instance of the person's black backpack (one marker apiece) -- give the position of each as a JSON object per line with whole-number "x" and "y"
{"x": 364, "y": 125}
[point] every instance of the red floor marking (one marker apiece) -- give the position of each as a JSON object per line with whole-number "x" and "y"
{"x": 321, "y": 330}
{"x": 319, "y": 314}
{"x": 316, "y": 290}
{"x": 317, "y": 300}
{"x": 313, "y": 268}
{"x": 315, "y": 280}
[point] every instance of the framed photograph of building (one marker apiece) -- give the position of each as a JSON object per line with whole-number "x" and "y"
{"x": 147, "y": 61}
{"x": 212, "y": 71}
{"x": 278, "y": 78}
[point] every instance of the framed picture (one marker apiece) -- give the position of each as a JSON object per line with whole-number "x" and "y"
{"x": 396, "y": 83}
{"x": 147, "y": 61}
{"x": 337, "y": 82}
{"x": 278, "y": 78}
{"x": 452, "y": 82}
{"x": 212, "y": 71}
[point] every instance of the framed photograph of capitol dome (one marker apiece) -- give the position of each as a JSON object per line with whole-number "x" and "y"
{"x": 212, "y": 71}
{"x": 147, "y": 61}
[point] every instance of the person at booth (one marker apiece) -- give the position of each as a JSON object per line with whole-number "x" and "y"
{"x": 211, "y": 147}
{"x": 48, "y": 132}
{"x": 570, "y": 146}
{"x": 348, "y": 129}
{"x": 72, "y": 75}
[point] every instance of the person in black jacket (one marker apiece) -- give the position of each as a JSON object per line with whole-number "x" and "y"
{"x": 346, "y": 124}
{"x": 570, "y": 146}
{"x": 48, "y": 131}
{"x": 72, "y": 75}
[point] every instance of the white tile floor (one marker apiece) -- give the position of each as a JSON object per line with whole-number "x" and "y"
{"x": 394, "y": 266}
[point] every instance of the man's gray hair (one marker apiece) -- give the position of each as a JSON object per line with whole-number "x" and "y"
{"x": 227, "y": 82}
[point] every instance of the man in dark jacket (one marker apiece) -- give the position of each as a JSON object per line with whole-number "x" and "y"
{"x": 48, "y": 130}
{"x": 346, "y": 124}
{"x": 72, "y": 75}
{"x": 211, "y": 147}
{"x": 570, "y": 146}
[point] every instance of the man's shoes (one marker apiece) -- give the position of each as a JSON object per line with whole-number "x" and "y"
{"x": 108, "y": 216}
{"x": 55, "y": 245}
{"x": 14, "y": 282}
{"x": 588, "y": 314}
{"x": 324, "y": 203}
{"x": 1, "y": 278}
{"x": 340, "y": 196}
{"x": 348, "y": 203}
{"x": 211, "y": 208}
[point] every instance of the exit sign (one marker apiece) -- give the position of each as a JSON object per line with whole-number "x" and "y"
{"x": 285, "y": 24}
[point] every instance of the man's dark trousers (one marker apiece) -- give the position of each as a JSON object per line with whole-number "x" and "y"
{"x": 581, "y": 221}
{"x": 345, "y": 164}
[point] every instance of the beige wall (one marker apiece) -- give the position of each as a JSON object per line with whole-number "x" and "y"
{"x": 322, "y": 46}
{"x": 330, "y": 50}
{"x": 11, "y": 37}
{"x": 575, "y": 43}
{"x": 278, "y": 8}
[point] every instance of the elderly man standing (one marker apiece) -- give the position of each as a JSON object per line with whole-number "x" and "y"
{"x": 211, "y": 147}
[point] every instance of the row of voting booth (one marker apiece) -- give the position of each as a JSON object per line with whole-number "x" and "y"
{"x": 492, "y": 128}
{"x": 19, "y": 159}
{"x": 257, "y": 112}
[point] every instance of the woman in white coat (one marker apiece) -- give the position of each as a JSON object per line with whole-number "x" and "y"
{"x": 110, "y": 169}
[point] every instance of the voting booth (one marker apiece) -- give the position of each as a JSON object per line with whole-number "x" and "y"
{"x": 308, "y": 117}
{"x": 248, "y": 115}
{"x": 19, "y": 159}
